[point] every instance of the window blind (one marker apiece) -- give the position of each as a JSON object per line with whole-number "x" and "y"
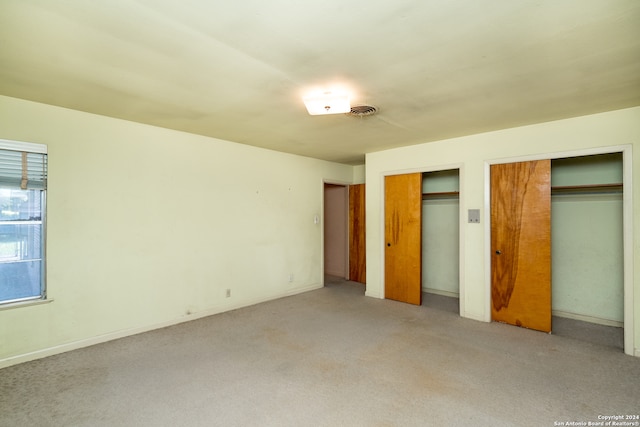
{"x": 24, "y": 170}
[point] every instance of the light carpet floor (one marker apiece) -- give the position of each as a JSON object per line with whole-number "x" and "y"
{"x": 330, "y": 357}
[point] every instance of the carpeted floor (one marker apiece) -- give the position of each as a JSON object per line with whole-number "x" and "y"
{"x": 569, "y": 328}
{"x": 330, "y": 357}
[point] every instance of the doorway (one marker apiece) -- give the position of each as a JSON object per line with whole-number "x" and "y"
{"x": 587, "y": 248}
{"x": 424, "y": 204}
{"x": 590, "y": 209}
{"x": 336, "y": 230}
{"x": 441, "y": 239}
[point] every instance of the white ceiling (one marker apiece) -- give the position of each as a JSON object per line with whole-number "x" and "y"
{"x": 237, "y": 70}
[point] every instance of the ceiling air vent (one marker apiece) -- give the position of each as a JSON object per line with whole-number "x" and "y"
{"x": 362, "y": 110}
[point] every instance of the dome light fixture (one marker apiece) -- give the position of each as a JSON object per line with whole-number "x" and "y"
{"x": 327, "y": 102}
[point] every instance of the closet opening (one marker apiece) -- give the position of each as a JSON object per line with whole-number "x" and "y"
{"x": 441, "y": 240}
{"x": 587, "y": 248}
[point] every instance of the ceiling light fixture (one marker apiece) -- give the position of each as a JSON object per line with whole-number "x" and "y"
{"x": 327, "y": 103}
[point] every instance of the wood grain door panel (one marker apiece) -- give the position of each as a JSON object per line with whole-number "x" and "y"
{"x": 403, "y": 238}
{"x": 357, "y": 242}
{"x": 521, "y": 244}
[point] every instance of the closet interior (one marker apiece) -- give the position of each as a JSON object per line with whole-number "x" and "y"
{"x": 587, "y": 245}
{"x": 441, "y": 238}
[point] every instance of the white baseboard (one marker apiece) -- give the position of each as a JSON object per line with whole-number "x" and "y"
{"x": 475, "y": 316}
{"x": 334, "y": 273}
{"x": 75, "y": 345}
{"x": 590, "y": 319}
{"x": 441, "y": 292}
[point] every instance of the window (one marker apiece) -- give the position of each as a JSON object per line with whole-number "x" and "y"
{"x": 23, "y": 186}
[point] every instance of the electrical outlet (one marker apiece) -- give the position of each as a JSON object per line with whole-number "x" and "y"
{"x": 474, "y": 216}
{"x": 290, "y": 277}
{"x": 228, "y": 293}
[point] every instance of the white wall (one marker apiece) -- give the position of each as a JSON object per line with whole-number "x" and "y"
{"x": 359, "y": 174}
{"x": 587, "y": 258}
{"x": 148, "y": 227}
{"x": 473, "y": 153}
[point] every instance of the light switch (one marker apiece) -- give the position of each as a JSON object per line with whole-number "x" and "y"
{"x": 474, "y": 215}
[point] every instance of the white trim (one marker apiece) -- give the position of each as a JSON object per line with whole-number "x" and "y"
{"x": 462, "y": 208}
{"x": 26, "y": 303}
{"x": 381, "y": 291}
{"x": 31, "y": 147}
{"x": 590, "y": 319}
{"x": 441, "y": 292}
{"x": 75, "y": 345}
{"x": 627, "y": 191}
{"x": 562, "y": 154}
{"x": 487, "y": 241}
{"x": 627, "y": 227}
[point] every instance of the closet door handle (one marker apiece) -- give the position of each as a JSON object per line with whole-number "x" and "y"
{"x": 388, "y": 244}
{"x": 498, "y": 252}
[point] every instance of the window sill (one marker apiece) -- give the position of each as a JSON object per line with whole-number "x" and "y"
{"x": 24, "y": 304}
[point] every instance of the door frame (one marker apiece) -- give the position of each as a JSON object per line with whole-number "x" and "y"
{"x": 627, "y": 226}
{"x": 345, "y": 184}
{"x": 461, "y": 221}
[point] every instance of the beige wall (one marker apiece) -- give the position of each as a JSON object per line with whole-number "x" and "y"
{"x": 148, "y": 227}
{"x": 473, "y": 154}
{"x": 359, "y": 174}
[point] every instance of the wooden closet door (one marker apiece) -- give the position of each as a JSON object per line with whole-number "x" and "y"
{"x": 403, "y": 238}
{"x": 357, "y": 242}
{"x": 521, "y": 244}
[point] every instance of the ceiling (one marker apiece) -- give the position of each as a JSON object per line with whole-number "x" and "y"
{"x": 237, "y": 70}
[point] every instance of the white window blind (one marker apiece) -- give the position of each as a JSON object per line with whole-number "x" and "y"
{"x": 24, "y": 170}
